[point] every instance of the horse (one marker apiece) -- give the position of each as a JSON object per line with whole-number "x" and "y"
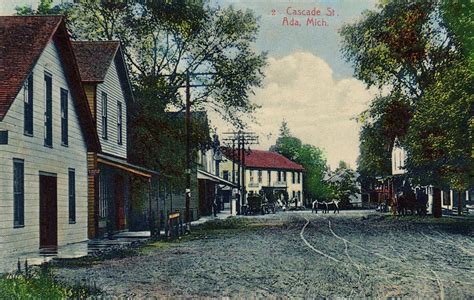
{"x": 316, "y": 204}
{"x": 336, "y": 205}
{"x": 406, "y": 202}
{"x": 325, "y": 206}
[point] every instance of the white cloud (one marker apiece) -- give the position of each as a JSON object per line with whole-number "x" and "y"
{"x": 300, "y": 88}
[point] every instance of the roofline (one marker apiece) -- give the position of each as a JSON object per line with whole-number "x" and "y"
{"x": 267, "y": 168}
{"x": 35, "y": 61}
{"x": 97, "y": 145}
{"x": 127, "y": 75}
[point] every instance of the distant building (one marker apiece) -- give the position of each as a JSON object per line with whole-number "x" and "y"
{"x": 265, "y": 171}
{"x": 449, "y": 198}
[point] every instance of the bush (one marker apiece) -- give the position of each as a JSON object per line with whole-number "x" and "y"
{"x": 38, "y": 284}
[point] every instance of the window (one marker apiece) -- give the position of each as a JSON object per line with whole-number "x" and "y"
{"x": 104, "y": 115}
{"x": 446, "y": 198}
{"x": 269, "y": 177}
{"x": 18, "y": 193}
{"x": 299, "y": 177}
{"x": 225, "y": 175}
{"x": 28, "y": 111}
{"x": 279, "y": 175}
{"x": 284, "y": 176}
{"x": 119, "y": 123}
{"x": 299, "y": 195}
{"x": 64, "y": 117}
{"x": 72, "y": 196}
{"x": 259, "y": 176}
{"x": 251, "y": 176}
{"x": 48, "y": 113}
{"x": 293, "y": 177}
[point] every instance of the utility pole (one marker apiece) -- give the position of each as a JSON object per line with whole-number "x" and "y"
{"x": 188, "y": 152}
{"x": 242, "y": 139}
{"x": 188, "y": 128}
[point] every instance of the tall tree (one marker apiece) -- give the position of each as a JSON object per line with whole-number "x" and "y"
{"x": 286, "y": 144}
{"x": 409, "y": 48}
{"x": 310, "y": 157}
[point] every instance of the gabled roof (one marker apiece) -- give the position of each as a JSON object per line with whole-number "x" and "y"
{"x": 22, "y": 40}
{"x": 94, "y": 59}
{"x": 264, "y": 160}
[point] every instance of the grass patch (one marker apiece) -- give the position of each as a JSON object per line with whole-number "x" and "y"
{"x": 41, "y": 285}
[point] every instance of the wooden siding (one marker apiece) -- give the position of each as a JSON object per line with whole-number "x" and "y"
{"x": 37, "y": 157}
{"x": 92, "y": 211}
{"x": 114, "y": 91}
{"x": 90, "y": 90}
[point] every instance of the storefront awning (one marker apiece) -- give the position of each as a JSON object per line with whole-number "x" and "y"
{"x": 125, "y": 165}
{"x": 208, "y": 176}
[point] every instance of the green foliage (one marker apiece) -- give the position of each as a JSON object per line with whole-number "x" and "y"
{"x": 343, "y": 184}
{"x": 459, "y": 19}
{"x": 386, "y": 119}
{"x": 40, "y": 285}
{"x": 421, "y": 51}
{"x": 310, "y": 157}
{"x": 286, "y": 144}
{"x": 438, "y": 139}
{"x": 45, "y": 7}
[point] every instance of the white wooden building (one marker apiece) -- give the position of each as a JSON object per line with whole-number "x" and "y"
{"x": 267, "y": 171}
{"x": 106, "y": 83}
{"x": 46, "y": 131}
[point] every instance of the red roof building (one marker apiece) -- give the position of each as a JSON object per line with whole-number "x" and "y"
{"x": 265, "y": 171}
{"x": 261, "y": 159}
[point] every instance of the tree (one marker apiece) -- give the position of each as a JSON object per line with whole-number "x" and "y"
{"x": 45, "y": 7}
{"x": 310, "y": 157}
{"x": 343, "y": 184}
{"x": 162, "y": 41}
{"x": 286, "y": 144}
{"x": 410, "y": 47}
{"x": 438, "y": 140}
{"x": 387, "y": 118}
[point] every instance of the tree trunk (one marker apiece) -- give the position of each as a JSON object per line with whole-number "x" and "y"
{"x": 436, "y": 203}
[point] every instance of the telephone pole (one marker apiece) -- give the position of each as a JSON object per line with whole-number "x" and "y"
{"x": 242, "y": 139}
{"x": 188, "y": 129}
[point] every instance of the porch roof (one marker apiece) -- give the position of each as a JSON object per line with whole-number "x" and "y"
{"x": 125, "y": 165}
{"x": 206, "y": 175}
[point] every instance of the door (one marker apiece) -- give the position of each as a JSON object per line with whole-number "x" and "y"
{"x": 48, "y": 212}
{"x": 119, "y": 203}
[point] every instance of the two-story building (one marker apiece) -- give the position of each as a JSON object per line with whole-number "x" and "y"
{"x": 46, "y": 131}
{"x": 106, "y": 83}
{"x": 265, "y": 171}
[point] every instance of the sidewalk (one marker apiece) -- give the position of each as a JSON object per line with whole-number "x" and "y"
{"x": 220, "y": 216}
{"x": 89, "y": 247}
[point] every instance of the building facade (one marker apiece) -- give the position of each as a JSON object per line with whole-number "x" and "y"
{"x": 106, "y": 83}
{"x": 265, "y": 171}
{"x": 46, "y": 131}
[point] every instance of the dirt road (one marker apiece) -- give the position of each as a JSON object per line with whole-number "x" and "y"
{"x": 299, "y": 254}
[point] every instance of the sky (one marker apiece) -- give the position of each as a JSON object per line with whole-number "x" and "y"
{"x": 307, "y": 82}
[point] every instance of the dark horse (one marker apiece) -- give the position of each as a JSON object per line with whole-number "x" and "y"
{"x": 406, "y": 202}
